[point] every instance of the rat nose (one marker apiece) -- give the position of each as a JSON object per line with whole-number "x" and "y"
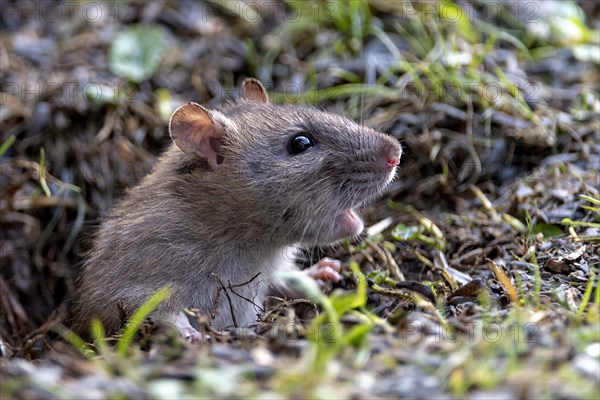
{"x": 392, "y": 156}
{"x": 393, "y": 161}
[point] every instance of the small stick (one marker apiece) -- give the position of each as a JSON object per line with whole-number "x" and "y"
{"x": 228, "y": 300}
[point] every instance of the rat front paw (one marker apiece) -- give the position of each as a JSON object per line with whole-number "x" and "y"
{"x": 185, "y": 329}
{"x": 326, "y": 270}
{"x": 190, "y": 334}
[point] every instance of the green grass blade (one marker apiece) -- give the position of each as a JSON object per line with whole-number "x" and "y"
{"x": 583, "y": 196}
{"x": 537, "y": 281}
{"x": 570, "y": 222}
{"x": 74, "y": 340}
{"x": 99, "y": 336}
{"x": 7, "y": 144}
{"x": 588, "y": 294}
{"x": 136, "y": 319}
{"x": 42, "y": 173}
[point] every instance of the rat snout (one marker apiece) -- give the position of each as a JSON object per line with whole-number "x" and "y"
{"x": 392, "y": 151}
{"x": 392, "y": 160}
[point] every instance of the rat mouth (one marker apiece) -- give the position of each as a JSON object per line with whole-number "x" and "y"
{"x": 348, "y": 224}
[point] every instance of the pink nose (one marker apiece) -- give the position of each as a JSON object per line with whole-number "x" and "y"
{"x": 393, "y": 161}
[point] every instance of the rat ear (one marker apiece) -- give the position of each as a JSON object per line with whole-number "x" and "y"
{"x": 196, "y": 134}
{"x": 254, "y": 91}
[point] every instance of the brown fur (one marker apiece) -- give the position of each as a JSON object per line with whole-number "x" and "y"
{"x": 192, "y": 220}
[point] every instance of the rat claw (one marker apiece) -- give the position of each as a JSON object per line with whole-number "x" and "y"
{"x": 191, "y": 335}
{"x": 187, "y": 331}
{"x": 326, "y": 270}
{"x": 332, "y": 263}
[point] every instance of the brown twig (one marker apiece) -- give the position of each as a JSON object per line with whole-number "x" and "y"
{"x": 284, "y": 303}
{"x": 223, "y": 288}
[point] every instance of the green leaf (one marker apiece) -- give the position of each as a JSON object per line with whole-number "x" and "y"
{"x": 403, "y": 232}
{"x": 379, "y": 276}
{"x": 358, "y": 334}
{"x": 163, "y": 104}
{"x": 303, "y": 283}
{"x": 361, "y": 281}
{"x": 136, "y": 52}
{"x": 103, "y": 94}
{"x": 548, "y": 230}
{"x": 345, "y": 301}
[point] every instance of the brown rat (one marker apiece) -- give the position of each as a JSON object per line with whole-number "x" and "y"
{"x": 239, "y": 188}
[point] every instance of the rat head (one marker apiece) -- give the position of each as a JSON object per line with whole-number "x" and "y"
{"x": 296, "y": 173}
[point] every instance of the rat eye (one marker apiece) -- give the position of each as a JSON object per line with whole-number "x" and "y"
{"x": 299, "y": 144}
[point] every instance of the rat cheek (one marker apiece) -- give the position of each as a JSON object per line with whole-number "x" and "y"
{"x": 391, "y": 176}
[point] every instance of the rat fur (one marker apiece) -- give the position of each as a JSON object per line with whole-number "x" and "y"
{"x": 227, "y": 204}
